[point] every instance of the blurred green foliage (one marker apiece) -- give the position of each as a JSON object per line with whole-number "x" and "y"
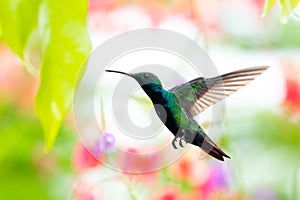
{"x": 25, "y": 171}
{"x": 286, "y": 37}
{"x": 266, "y": 148}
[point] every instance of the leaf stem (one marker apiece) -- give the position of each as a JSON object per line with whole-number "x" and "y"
{"x": 129, "y": 187}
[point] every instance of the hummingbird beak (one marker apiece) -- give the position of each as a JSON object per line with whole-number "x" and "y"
{"x": 120, "y": 72}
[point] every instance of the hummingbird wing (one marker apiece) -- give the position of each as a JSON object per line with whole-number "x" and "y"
{"x": 200, "y": 93}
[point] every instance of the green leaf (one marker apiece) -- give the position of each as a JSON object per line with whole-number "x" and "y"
{"x": 18, "y": 19}
{"x": 0, "y": 30}
{"x": 287, "y": 8}
{"x": 66, "y": 44}
{"x": 267, "y": 7}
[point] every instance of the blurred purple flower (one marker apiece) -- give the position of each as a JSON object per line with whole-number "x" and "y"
{"x": 218, "y": 177}
{"x": 105, "y": 145}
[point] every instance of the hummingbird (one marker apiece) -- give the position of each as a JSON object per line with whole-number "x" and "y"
{"x": 177, "y": 107}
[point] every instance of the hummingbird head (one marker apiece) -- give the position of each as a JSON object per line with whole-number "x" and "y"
{"x": 145, "y": 79}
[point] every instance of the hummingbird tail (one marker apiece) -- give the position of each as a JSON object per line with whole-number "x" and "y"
{"x": 212, "y": 149}
{"x": 216, "y": 152}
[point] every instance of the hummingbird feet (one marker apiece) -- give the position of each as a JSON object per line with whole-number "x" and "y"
{"x": 180, "y": 142}
{"x": 173, "y": 142}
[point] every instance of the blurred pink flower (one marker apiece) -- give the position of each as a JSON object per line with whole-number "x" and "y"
{"x": 83, "y": 191}
{"x": 16, "y": 84}
{"x": 202, "y": 13}
{"x": 156, "y": 9}
{"x": 103, "y": 5}
{"x": 136, "y": 162}
{"x": 83, "y": 159}
{"x": 259, "y": 4}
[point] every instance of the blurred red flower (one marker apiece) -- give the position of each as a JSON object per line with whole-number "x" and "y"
{"x": 170, "y": 193}
{"x": 291, "y": 73}
{"x": 190, "y": 168}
